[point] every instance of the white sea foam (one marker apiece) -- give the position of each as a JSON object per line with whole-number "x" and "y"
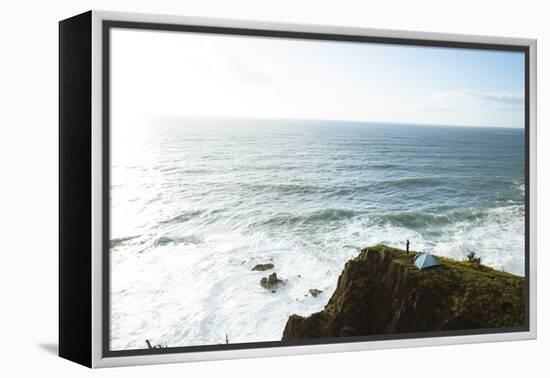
{"x": 185, "y": 293}
{"x": 196, "y": 294}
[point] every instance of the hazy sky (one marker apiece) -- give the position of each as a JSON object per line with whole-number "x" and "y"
{"x": 178, "y": 74}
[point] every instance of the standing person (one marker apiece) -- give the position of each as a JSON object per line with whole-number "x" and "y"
{"x": 408, "y": 243}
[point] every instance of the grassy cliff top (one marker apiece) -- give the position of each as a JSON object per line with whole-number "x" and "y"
{"x": 477, "y": 271}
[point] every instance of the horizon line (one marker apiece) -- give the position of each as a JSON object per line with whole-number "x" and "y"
{"x": 333, "y": 120}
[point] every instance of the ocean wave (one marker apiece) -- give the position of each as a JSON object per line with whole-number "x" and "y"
{"x": 315, "y": 217}
{"x": 365, "y": 166}
{"x": 419, "y": 219}
{"x": 183, "y": 217}
{"x": 269, "y": 168}
{"x": 115, "y": 242}
{"x": 335, "y": 190}
{"x": 285, "y": 189}
{"x": 166, "y": 240}
{"x": 383, "y": 165}
{"x": 409, "y": 181}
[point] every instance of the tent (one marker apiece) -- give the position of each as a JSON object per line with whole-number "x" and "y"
{"x": 425, "y": 260}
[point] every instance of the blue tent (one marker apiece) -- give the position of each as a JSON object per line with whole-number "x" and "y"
{"x": 425, "y": 260}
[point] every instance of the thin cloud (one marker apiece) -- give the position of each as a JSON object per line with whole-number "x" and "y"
{"x": 505, "y": 97}
{"x": 500, "y": 97}
{"x": 476, "y": 108}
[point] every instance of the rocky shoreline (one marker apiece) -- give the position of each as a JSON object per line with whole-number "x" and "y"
{"x": 382, "y": 292}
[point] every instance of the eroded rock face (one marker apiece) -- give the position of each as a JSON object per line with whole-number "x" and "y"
{"x": 382, "y": 292}
{"x": 271, "y": 282}
{"x": 263, "y": 267}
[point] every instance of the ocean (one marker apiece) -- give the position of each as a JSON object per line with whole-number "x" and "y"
{"x": 197, "y": 203}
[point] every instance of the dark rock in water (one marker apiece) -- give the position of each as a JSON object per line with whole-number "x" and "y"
{"x": 263, "y": 267}
{"x": 271, "y": 282}
{"x": 382, "y": 292}
{"x": 315, "y": 292}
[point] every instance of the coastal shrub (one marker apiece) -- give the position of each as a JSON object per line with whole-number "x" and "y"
{"x": 473, "y": 259}
{"x": 151, "y": 346}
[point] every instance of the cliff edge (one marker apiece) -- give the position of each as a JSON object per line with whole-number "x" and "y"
{"x": 382, "y": 292}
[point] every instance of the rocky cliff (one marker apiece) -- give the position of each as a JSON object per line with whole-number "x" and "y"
{"x": 382, "y": 292}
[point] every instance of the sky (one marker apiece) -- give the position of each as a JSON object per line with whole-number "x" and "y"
{"x": 178, "y": 74}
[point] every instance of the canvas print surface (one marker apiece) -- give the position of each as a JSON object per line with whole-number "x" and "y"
{"x": 272, "y": 189}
